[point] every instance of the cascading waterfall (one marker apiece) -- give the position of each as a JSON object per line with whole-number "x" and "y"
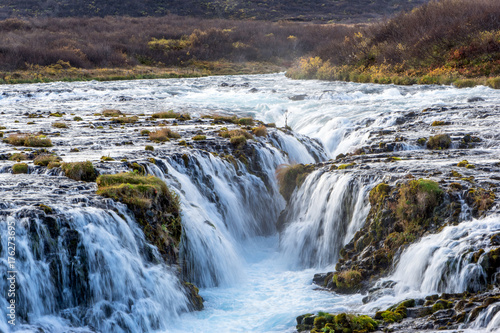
{"x": 446, "y": 262}
{"x": 443, "y": 262}
{"x": 70, "y": 266}
{"x": 223, "y": 205}
{"x": 145, "y": 296}
{"x": 324, "y": 213}
{"x": 105, "y": 277}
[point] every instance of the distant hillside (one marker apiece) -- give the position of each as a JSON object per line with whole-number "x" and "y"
{"x": 297, "y": 10}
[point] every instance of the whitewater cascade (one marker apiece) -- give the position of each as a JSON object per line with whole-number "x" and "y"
{"x": 254, "y": 275}
{"x": 323, "y": 215}
{"x": 93, "y": 243}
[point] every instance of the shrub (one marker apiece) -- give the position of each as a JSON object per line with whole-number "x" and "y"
{"x": 29, "y": 140}
{"x": 238, "y": 141}
{"x": 260, "y": 131}
{"x": 111, "y": 113}
{"x": 218, "y": 119}
{"x": 164, "y": 134}
{"x": 20, "y": 168}
{"x": 246, "y": 121}
{"x": 236, "y": 132}
{"x": 59, "y": 125}
{"x": 45, "y": 159}
{"x": 493, "y": 82}
{"x": 464, "y": 83}
{"x": 199, "y": 137}
{"x": 167, "y": 114}
{"x": 84, "y": 171}
{"x": 440, "y": 141}
{"x": 125, "y": 120}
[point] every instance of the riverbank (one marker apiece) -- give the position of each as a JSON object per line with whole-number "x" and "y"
{"x": 63, "y": 71}
{"x": 316, "y": 68}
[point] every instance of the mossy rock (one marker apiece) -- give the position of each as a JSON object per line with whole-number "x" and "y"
{"x": 83, "y": 171}
{"x": 440, "y": 141}
{"x": 291, "y": 177}
{"x": 20, "y": 168}
{"x": 155, "y": 207}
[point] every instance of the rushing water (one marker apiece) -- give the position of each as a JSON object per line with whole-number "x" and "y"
{"x": 252, "y": 279}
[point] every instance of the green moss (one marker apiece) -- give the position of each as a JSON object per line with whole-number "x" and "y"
{"x": 107, "y": 158}
{"x": 378, "y": 193}
{"x": 462, "y": 164}
{"x": 291, "y": 176}
{"x": 238, "y": 141}
{"x": 346, "y": 166}
{"x": 20, "y": 168}
{"x": 131, "y": 188}
{"x": 440, "y": 141}
{"x": 18, "y": 157}
{"x": 470, "y": 166}
{"x": 456, "y": 174}
{"x": 417, "y": 200}
{"x": 80, "y": 171}
{"x": 45, "y": 159}
{"x": 246, "y": 121}
{"x": 45, "y": 208}
{"x": 421, "y": 141}
{"x": 77, "y": 118}
{"x": 347, "y": 281}
{"x": 145, "y": 132}
{"x": 441, "y": 304}
{"x": 319, "y": 322}
{"x": 438, "y": 123}
{"x": 199, "y": 137}
{"x": 151, "y": 148}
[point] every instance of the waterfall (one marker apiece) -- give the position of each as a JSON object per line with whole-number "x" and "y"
{"x": 323, "y": 215}
{"x": 91, "y": 265}
{"x": 444, "y": 262}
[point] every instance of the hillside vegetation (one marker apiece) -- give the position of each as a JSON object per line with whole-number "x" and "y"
{"x": 299, "y": 10}
{"x": 440, "y": 42}
{"x": 55, "y": 48}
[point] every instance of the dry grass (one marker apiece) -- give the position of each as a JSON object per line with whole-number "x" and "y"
{"x": 164, "y": 134}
